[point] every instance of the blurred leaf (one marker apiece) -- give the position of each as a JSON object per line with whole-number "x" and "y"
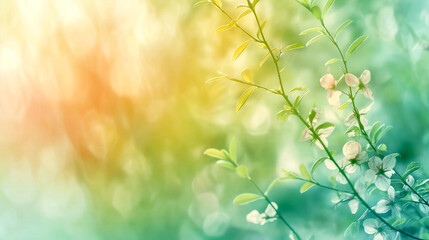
{"x": 213, "y": 79}
{"x": 240, "y": 49}
{"x": 225, "y": 164}
{"x": 243, "y": 14}
{"x": 314, "y": 39}
{"x": 312, "y": 116}
{"x": 425, "y": 221}
{"x": 317, "y": 13}
{"x": 306, "y": 186}
{"x": 264, "y": 59}
{"x": 325, "y": 125}
{"x": 311, "y": 30}
{"x": 254, "y": 3}
{"x": 247, "y": 76}
{"x": 381, "y": 133}
{"x": 304, "y": 171}
{"x": 283, "y": 115}
{"x": 201, "y": 3}
{"x": 346, "y": 104}
{"x": 242, "y": 6}
{"x": 242, "y": 171}
{"x": 245, "y": 198}
{"x": 233, "y": 150}
{"x": 272, "y": 185}
{"x": 226, "y": 26}
{"x": 298, "y": 89}
{"x": 303, "y": 3}
{"x": 292, "y": 47}
{"x": 243, "y": 98}
{"x": 217, "y": 2}
{"x": 382, "y": 147}
{"x": 258, "y": 34}
{"x": 340, "y": 28}
{"x": 352, "y": 128}
{"x": 332, "y": 61}
{"x": 412, "y": 167}
{"x": 352, "y": 230}
{"x": 317, "y": 164}
{"x": 212, "y": 152}
{"x": 373, "y": 130}
{"x": 399, "y": 222}
{"x": 355, "y": 45}
{"x": 327, "y": 6}
{"x": 289, "y": 175}
{"x": 333, "y": 181}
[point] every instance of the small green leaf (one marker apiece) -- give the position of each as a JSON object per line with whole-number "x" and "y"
{"x": 298, "y": 89}
{"x": 247, "y": 76}
{"x": 342, "y": 107}
{"x": 283, "y": 115}
{"x": 314, "y": 39}
{"x": 226, "y": 26}
{"x": 352, "y": 230}
{"x": 425, "y": 221}
{"x": 312, "y": 115}
{"x": 245, "y": 198}
{"x": 242, "y": 171}
{"x": 317, "y": 13}
{"x": 332, "y": 61}
{"x": 264, "y": 59}
{"x": 225, "y": 164}
{"x": 382, "y": 147}
{"x": 317, "y": 163}
{"x": 240, "y": 49}
{"x": 233, "y": 150}
{"x": 243, "y": 98}
{"x": 380, "y": 134}
{"x": 304, "y": 172}
{"x": 306, "y": 186}
{"x": 352, "y": 128}
{"x": 412, "y": 167}
{"x": 399, "y": 222}
{"x": 272, "y": 185}
{"x": 289, "y": 175}
{"x": 374, "y": 129}
{"x": 333, "y": 181}
{"x": 311, "y": 30}
{"x": 258, "y": 34}
{"x": 324, "y": 125}
{"x": 327, "y": 6}
{"x": 292, "y": 47}
{"x": 344, "y": 25}
{"x": 243, "y": 14}
{"x": 303, "y": 3}
{"x": 201, "y": 3}
{"x": 355, "y": 45}
{"x": 212, "y": 152}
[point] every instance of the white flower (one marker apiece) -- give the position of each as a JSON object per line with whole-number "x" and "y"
{"x": 410, "y": 181}
{"x": 261, "y": 218}
{"x": 323, "y": 134}
{"x": 424, "y": 208}
{"x": 384, "y": 206}
{"x": 351, "y": 80}
{"x": 351, "y": 149}
{"x": 374, "y": 227}
{"x": 365, "y": 77}
{"x": 353, "y": 156}
{"x": 352, "y": 120}
{"x": 329, "y": 83}
{"x": 380, "y": 171}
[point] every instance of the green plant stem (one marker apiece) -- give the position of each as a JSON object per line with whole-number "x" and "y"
{"x": 236, "y": 24}
{"x": 277, "y": 211}
{"x": 357, "y": 115}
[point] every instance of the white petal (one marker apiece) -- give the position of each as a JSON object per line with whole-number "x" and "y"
{"x": 254, "y": 217}
{"x": 424, "y": 208}
{"x": 382, "y": 182}
{"x": 354, "y": 205}
{"x": 351, "y": 168}
{"x": 374, "y": 163}
{"x": 414, "y": 197}
{"x": 410, "y": 180}
{"x": 382, "y": 207}
{"x": 350, "y": 120}
{"x": 324, "y": 140}
{"x": 326, "y": 132}
{"x": 378, "y": 236}
{"x": 368, "y": 93}
{"x": 306, "y": 135}
{"x": 365, "y": 77}
{"x": 328, "y": 81}
{"x": 363, "y": 156}
{"x": 370, "y": 175}
{"x": 367, "y": 108}
{"x": 270, "y": 211}
{"x": 351, "y": 80}
{"x": 334, "y": 98}
{"x": 351, "y": 149}
{"x": 391, "y": 193}
{"x": 330, "y": 165}
{"x": 341, "y": 179}
{"x": 389, "y": 162}
{"x": 370, "y": 226}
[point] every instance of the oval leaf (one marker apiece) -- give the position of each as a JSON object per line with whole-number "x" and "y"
{"x": 332, "y": 61}
{"x": 247, "y": 76}
{"x": 243, "y": 14}
{"x": 242, "y": 171}
{"x": 201, "y": 3}
{"x": 327, "y": 6}
{"x": 304, "y": 172}
{"x": 243, "y": 98}
{"x": 355, "y": 45}
{"x": 225, "y": 164}
{"x": 292, "y": 47}
{"x": 245, "y": 198}
{"x": 212, "y": 152}
{"x": 342, "y": 107}
{"x": 233, "y": 150}
{"x": 306, "y": 186}
{"x": 314, "y": 39}
{"x": 344, "y": 25}
{"x": 272, "y": 185}
{"x": 264, "y": 59}
{"x": 317, "y": 163}
{"x": 240, "y": 49}
{"x": 310, "y": 30}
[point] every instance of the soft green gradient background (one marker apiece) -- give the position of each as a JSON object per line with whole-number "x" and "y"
{"x": 152, "y": 180}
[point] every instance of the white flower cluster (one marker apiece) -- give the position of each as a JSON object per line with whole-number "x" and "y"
{"x": 261, "y": 218}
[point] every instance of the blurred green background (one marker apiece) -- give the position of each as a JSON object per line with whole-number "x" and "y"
{"x": 105, "y": 115}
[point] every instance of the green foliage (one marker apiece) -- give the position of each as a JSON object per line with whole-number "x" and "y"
{"x": 355, "y": 45}
{"x": 246, "y": 198}
{"x": 243, "y": 98}
{"x": 412, "y": 167}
